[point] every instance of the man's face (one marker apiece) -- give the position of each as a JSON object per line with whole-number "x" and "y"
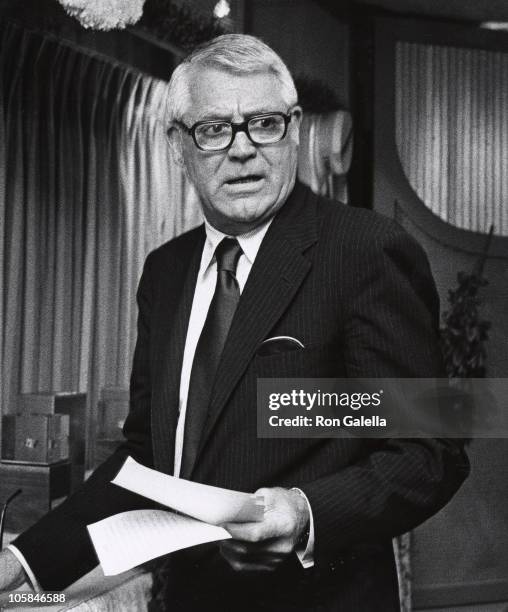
{"x": 244, "y": 185}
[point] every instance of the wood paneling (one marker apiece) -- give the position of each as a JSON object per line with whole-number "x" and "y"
{"x": 459, "y": 557}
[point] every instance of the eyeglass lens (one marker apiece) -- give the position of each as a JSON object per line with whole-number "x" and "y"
{"x": 262, "y": 130}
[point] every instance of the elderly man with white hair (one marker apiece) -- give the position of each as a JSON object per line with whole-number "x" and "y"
{"x": 277, "y": 283}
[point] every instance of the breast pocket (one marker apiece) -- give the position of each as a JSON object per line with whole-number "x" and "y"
{"x": 322, "y": 361}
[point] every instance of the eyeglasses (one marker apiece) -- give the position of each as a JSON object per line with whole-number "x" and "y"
{"x": 267, "y": 128}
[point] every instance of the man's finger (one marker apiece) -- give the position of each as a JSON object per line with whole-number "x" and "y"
{"x": 251, "y": 532}
{"x": 251, "y": 556}
{"x": 250, "y": 562}
{"x": 271, "y": 546}
{"x": 243, "y": 548}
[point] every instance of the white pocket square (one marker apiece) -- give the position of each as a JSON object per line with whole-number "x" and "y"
{"x": 279, "y": 344}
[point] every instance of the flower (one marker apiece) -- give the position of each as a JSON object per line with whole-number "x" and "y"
{"x": 104, "y": 14}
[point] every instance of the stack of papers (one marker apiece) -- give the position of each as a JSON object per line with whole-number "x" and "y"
{"x": 128, "y": 539}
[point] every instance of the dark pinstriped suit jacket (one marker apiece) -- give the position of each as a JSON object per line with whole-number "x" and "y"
{"x": 357, "y": 291}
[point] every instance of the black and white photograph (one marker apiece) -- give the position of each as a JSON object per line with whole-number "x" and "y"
{"x": 254, "y": 305}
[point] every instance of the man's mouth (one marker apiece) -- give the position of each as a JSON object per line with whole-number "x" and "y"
{"x": 251, "y": 178}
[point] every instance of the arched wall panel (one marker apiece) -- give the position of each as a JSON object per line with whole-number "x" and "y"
{"x": 451, "y": 120}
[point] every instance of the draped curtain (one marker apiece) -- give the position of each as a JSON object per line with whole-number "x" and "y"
{"x": 452, "y": 131}
{"x": 87, "y": 189}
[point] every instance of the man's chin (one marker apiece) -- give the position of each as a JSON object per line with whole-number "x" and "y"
{"x": 241, "y": 203}
{"x": 239, "y": 220}
{"x": 245, "y": 209}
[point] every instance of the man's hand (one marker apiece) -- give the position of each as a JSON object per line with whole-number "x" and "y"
{"x": 264, "y": 545}
{"x": 12, "y": 574}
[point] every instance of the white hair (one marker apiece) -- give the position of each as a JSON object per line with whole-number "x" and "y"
{"x": 234, "y": 53}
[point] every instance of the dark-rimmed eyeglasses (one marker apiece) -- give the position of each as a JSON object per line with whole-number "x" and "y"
{"x": 218, "y": 135}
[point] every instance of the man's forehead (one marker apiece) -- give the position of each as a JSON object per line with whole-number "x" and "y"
{"x": 216, "y": 93}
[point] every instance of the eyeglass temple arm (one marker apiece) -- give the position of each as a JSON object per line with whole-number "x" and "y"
{"x": 2, "y": 516}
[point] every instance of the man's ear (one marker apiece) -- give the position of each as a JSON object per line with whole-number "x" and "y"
{"x": 296, "y": 122}
{"x": 297, "y": 115}
{"x": 175, "y": 143}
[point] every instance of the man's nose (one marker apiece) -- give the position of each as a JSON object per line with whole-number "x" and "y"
{"x": 242, "y": 147}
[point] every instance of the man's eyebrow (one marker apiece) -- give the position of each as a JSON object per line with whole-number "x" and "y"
{"x": 218, "y": 115}
{"x": 222, "y": 116}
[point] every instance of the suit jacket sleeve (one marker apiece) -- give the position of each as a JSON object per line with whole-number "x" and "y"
{"x": 58, "y": 548}
{"x": 391, "y": 331}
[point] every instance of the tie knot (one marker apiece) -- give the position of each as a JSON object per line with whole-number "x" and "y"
{"x": 228, "y": 253}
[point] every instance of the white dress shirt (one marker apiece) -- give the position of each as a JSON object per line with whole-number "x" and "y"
{"x": 203, "y": 294}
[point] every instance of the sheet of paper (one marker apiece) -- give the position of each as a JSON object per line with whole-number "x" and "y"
{"x": 206, "y": 503}
{"x": 128, "y": 539}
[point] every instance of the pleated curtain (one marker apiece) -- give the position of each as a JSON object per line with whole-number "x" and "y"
{"x": 452, "y": 132}
{"x": 87, "y": 189}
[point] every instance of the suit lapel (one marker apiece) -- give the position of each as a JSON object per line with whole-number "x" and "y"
{"x": 181, "y": 283}
{"x": 278, "y": 272}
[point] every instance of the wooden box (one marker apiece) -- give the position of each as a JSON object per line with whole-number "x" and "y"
{"x": 35, "y": 438}
{"x": 41, "y": 485}
{"x": 72, "y": 404}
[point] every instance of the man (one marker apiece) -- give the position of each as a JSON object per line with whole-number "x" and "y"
{"x": 355, "y": 295}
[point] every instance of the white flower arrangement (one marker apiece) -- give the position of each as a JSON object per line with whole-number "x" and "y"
{"x": 104, "y": 14}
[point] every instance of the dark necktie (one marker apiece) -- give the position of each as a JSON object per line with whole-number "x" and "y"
{"x": 209, "y": 349}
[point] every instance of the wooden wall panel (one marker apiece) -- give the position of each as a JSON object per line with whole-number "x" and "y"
{"x": 440, "y": 169}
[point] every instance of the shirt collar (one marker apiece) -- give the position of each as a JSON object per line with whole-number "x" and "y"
{"x": 250, "y": 242}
